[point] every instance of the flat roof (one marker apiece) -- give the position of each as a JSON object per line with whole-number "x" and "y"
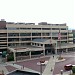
{"x": 25, "y": 48}
{"x": 44, "y": 41}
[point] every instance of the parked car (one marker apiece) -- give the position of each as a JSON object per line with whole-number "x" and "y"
{"x": 68, "y": 67}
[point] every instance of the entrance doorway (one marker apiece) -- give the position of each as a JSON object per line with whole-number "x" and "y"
{"x": 49, "y": 49}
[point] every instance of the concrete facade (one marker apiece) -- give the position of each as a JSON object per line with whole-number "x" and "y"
{"x": 22, "y": 34}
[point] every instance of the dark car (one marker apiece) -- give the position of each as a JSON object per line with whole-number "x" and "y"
{"x": 68, "y": 67}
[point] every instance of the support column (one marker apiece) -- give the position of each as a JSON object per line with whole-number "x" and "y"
{"x": 66, "y": 50}
{"x": 30, "y": 54}
{"x": 44, "y": 52}
{"x": 14, "y": 56}
{"x": 43, "y": 49}
{"x": 51, "y": 39}
{"x": 56, "y": 49}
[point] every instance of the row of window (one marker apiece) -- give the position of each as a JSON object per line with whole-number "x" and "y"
{"x": 19, "y": 39}
{"x": 37, "y": 44}
{"x": 36, "y": 28}
{"x": 17, "y": 44}
{"x": 35, "y": 34}
{"x": 29, "y": 39}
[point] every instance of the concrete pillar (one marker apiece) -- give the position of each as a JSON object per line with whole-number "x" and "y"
{"x": 44, "y": 52}
{"x": 43, "y": 49}
{"x": 30, "y": 54}
{"x": 66, "y": 50}
{"x": 31, "y": 43}
{"x": 51, "y": 34}
{"x": 47, "y": 51}
{"x": 14, "y": 56}
{"x": 56, "y": 51}
{"x": 56, "y": 48}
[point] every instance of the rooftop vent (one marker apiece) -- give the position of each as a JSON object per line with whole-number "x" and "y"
{"x": 30, "y": 24}
{"x": 42, "y": 23}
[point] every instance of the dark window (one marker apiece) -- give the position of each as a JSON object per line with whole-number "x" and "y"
{"x": 36, "y": 34}
{"x": 46, "y": 28}
{"x": 13, "y": 39}
{"x": 13, "y": 34}
{"x": 25, "y": 34}
{"x": 13, "y": 28}
{"x": 25, "y": 39}
{"x": 36, "y": 28}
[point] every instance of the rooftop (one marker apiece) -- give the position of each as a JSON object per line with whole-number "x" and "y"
{"x": 41, "y": 23}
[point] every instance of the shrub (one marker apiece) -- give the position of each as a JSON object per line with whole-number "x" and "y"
{"x": 60, "y": 58}
{"x": 10, "y": 58}
{"x": 73, "y": 69}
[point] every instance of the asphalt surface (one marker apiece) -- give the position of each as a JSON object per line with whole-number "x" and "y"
{"x": 70, "y": 59}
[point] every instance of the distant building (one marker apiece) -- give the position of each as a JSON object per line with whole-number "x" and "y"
{"x": 73, "y": 31}
{"x": 31, "y": 38}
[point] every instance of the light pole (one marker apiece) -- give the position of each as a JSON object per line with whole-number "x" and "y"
{"x": 41, "y": 62}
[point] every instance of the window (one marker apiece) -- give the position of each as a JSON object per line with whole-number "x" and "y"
{"x": 63, "y": 28}
{"x": 45, "y": 34}
{"x": 13, "y": 34}
{"x": 36, "y": 28}
{"x": 36, "y": 34}
{"x": 55, "y": 28}
{"x": 13, "y": 28}
{"x": 13, "y": 39}
{"x": 55, "y": 34}
{"x": 25, "y": 39}
{"x": 25, "y": 34}
{"x": 25, "y": 28}
{"x": 46, "y": 28}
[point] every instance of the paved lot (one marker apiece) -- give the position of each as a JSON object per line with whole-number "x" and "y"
{"x": 70, "y": 59}
{"x": 32, "y": 64}
{"x": 10, "y": 68}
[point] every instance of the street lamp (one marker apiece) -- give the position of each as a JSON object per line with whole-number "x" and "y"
{"x": 41, "y": 63}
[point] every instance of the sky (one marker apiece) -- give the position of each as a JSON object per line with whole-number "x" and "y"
{"x": 51, "y": 11}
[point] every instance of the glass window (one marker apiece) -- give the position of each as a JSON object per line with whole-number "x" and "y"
{"x": 25, "y": 34}
{"x": 13, "y": 34}
{"x": 13, "y": 28}
{"x": 25, "y": 28}
{"x": 13, "y": 39}
{"x": 25, "y": 39}
{"x": 36, "y": 28}
{"x": 45, "y": 34}
{"x": 55, "y": 34}
{"x": 46, "y": 28}
{"x": 36, "y": 34}
{"x": 55, "y": 28}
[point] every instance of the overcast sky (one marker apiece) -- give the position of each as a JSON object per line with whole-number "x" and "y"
{"x": 51, "y": 11}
